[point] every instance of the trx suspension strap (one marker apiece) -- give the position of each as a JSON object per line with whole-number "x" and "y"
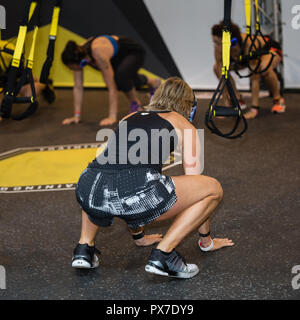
{"x": 52, "y": 37}
{"x": 234, "y": 111}
{"x": 13, "y": 87}
{"x": 254, "y": 53}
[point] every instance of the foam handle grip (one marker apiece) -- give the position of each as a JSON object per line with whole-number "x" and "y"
{"x": 23, "y": 100}
{"x": 225, "y": 112}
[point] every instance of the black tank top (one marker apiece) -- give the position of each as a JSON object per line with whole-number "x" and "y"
{"x": 149, "y": 147}
{"x": 126, "y": 46}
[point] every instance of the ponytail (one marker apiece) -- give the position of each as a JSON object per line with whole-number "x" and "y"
{"x": 73, "y": 53}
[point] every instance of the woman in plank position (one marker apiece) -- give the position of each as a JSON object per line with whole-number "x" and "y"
{"x": 119, "y": 59}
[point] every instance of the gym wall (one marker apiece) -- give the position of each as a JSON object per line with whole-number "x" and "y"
{"x": 291, "y": 43}
{"x": 175, "y": 33}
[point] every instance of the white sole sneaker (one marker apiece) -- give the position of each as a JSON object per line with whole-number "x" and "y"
{"x": 83, "y": 264}
{"x": 181, "y": 275}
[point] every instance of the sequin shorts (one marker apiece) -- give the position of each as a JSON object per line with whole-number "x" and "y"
{"x": 136, "y": 195}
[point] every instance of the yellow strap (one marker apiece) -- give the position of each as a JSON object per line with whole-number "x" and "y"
{"x": 248, "y": 15}
{"x": 54, "y": 22}
{"x": 257, "y": 16}
{"x": 32, "y": 9}
{"x": 226, "y": 52}
{"x": 19, "y": 46}
{"x": 31, "y": 53}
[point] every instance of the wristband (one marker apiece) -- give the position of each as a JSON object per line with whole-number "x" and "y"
{"x": 207, "y": 248}
{"x": 204, "y": 235}
{"x": 77, "y": 114}
{"x": 138, "y": 236}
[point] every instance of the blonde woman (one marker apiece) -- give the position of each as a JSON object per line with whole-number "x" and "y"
{"x": 138, "y": 193}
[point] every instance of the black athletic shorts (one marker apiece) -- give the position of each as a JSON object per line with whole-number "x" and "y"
{"x": 136, "y": 195}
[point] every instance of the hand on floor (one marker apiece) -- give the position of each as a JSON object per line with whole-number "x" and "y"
{"x": 108, "y": 121}
{"x": 68, "y": 121}
{"x": 221, "y": 243}
{"x": 148, "y": 240}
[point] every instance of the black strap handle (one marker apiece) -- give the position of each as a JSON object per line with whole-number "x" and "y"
{"x": 253, "y": 53}
{"x": 227, "y": 14}
{"x": 234, "y": 111}
{"x": 13, "y": 86}
{"x": 214, "y": 110}
{"x": 50, "y": 54}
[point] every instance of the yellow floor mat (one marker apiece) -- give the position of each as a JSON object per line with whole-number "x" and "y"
{"x": 45, "y": 167}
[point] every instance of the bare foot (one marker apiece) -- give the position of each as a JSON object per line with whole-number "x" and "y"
{"x": 148, "y": 240}
{"x": 108, "y": 121}
{"x": 68, "y": 121}
{"x": 218, "y": 243}
{"x": 251, "y": 114}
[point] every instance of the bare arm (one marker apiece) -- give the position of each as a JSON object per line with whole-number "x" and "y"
{"x": 108, "y": 76}
{"x": 103, "y": 63}
{"x": 78, "y": 98}
{"x": 191, "y": 149}
{"x": 78, "y": 92}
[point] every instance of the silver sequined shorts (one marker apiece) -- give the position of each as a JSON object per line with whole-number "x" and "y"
{"x": 136, "y": 195}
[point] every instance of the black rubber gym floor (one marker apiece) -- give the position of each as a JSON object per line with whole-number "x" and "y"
{"x": 260, "y": 212}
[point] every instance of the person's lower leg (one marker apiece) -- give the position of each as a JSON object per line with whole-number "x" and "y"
{"x": 88, "y": 231}
{"x": 204, "y": 229}
{"x": 255, "y": 88}
{"x": 132, "y": 96}
{"x": 187, "y": 221}
{"x": 153, "y": 82}
{"x": 27, "y": 92}
{"x": 271, "y": 81}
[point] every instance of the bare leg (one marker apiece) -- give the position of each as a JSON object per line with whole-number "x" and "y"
{"x": 197, "y": 197}
{"x": 269, "y": 77}
{"x": 204, "y": 229}
{"x": 132, "y": 95}
{"x": 153, "y": 82}
{"x": 188, "y": 221}
{"x": 88, "y": 231}
{"x": 26, "y": 90}
{"x": 255, "y": 87}
{"x": 271, "y": 81}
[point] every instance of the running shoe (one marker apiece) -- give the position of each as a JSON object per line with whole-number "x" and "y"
{"x": 134, "y": 106}
{"x": 48, "y": 92}
{"x": 279, "y": 106}
{"x": 85, "y": 257}
{"x": 170, "y": 264}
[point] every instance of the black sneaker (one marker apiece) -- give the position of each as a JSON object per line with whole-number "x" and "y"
{"x": 85, "y": 257}
{"x": 170, "y": 264}
{"x": 48, "y": 92}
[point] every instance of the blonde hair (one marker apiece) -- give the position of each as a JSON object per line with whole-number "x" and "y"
{"x": 173, "y": 95}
